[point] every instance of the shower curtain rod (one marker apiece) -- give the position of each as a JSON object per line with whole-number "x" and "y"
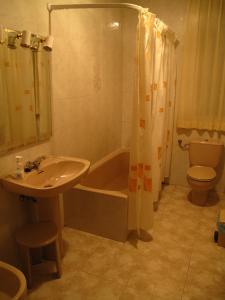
{"x": 51, "y": 7}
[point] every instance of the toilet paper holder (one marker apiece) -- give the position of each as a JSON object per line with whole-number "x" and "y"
{"x": 183, "y": 146}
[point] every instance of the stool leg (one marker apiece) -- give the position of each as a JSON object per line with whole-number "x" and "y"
{"x": 58, "y": 258}
{"x": 25, "y": 255}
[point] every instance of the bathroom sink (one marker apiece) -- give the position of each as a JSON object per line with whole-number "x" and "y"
{"x": 55, "y": 175}
{"x": 12, "y": 284}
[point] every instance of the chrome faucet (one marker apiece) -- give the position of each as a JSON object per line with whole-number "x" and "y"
{"x": 33, "y": 165}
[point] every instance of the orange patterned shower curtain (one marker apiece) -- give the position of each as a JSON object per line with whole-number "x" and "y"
{"x": 153, "y": 118}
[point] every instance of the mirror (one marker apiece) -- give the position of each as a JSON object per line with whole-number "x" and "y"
{"x": 25, "y": 93}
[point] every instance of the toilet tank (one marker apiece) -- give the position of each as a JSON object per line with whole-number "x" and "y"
{"x": 205, "y": 153}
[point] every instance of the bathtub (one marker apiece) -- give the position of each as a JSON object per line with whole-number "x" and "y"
{"x": 99, "y": 205}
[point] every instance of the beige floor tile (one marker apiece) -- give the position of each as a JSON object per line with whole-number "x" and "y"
{"x": 208, "y": 255}
{"x": 77, "y": 285}
{"x": 47, "y": 291}
{"x": 74, "y": 239}
{"x": 157, "y": 277}
{"x": 75, "y": 260}
{"x": 205, "y": 282}
{"x": 180, "y": 262}
{"x": 157, "y": 284}
{"x": 205, "y": 246}
{"x": 168, "y": 289}
{"x": 101, "y": 260}
{"x": 87, "y": 286}
{"x": 123, "y": 264}
{"x": 138, "y": 287}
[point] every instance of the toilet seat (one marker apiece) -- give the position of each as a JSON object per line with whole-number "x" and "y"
{"x": 201, "y": 173}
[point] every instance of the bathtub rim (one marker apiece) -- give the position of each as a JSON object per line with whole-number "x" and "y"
{"x": 98, "y": 164}
{"x": 107, "y": 157}
{"x": 101, "y": 191}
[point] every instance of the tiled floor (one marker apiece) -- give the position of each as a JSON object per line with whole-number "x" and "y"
{"x": 181, "y": 262}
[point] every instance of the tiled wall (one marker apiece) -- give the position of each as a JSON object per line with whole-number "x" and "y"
{"x": 129, "y": 23}
{"x": 31, "y": 16}
{"x": 87, "y": 82}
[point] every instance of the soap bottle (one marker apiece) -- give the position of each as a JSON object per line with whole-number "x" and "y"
{"x": 19, "y": 167}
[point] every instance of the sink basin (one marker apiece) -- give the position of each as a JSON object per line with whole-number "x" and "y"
{"x": 55, "y": 175}
{"x": 12, "y": 284}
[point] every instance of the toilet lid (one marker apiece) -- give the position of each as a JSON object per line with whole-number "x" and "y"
{"x": 201, "y": 173}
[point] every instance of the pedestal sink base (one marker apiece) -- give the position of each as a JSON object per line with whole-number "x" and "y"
{"x": 54, "y": 176}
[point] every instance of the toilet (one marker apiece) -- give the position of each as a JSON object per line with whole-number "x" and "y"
{"x": 204, "y": 157}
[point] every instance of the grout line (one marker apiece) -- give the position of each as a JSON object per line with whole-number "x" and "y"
{"x": 187, "y": 274}
{"x": 191, "y": 255}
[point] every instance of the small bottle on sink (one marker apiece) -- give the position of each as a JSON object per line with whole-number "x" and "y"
{"x": 19, "y": 167}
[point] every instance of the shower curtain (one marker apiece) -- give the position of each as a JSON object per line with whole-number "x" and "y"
{"x": 153, "y": 118}
{"x": 163, "y": 87}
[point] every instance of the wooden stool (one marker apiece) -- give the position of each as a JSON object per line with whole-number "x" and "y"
{"x": 38, "y": 235}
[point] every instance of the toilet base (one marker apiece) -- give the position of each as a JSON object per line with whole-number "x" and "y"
{"x": 199, "y": 197}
